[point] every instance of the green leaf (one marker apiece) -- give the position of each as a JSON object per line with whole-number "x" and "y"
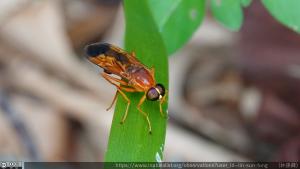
{"x": 285, "y": 11}
{"x": 131, "y": 141}
{"x": 177, "y": 20}
{"x": 229, "y": 12}
{"x": 246, "y": 3}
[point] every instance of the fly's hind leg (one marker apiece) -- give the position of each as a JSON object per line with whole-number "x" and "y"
{"x": 143, "y": 113}
{"x": 114, "y": 100}
{"x": 117, "y": 92}
{"x": 128, "y": 104}
{"x": 127, "y": 90}
{"x": 113, "y": 81}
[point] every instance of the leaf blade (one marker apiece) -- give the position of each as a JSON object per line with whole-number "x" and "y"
{"x": 228, "y": 12}
{"x": 286, "y": 12}
{"x": 131, "y": 141}
{"x": 246, "y": 3}
{"x": 185, "y": 16}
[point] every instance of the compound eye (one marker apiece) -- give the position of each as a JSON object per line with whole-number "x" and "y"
{"x": 96, "y": 49}
{"x": 161, "y": 89}
{"x": 152, "y": 94}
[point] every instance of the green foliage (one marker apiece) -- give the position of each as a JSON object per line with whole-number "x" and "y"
{"x": 131, "y": 140}
{"x": 229, "y": 12}
{"x": 155, "y": 29}
{"x": 177, "y": 20}
{"x": 285, "y": 11}
{"x": 246, "y": 3}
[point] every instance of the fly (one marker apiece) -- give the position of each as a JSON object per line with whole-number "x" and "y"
{"x": 133, "y": 75}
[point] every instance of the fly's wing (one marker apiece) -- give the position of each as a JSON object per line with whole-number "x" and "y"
{"x": 126, "y": 58}
{"x": 112, "y": 59}
{"x": 109, "y": 64}
{"x": 131, "y": 62}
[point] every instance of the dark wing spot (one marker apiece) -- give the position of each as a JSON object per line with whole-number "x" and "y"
{"x": 123, "y": 59}
{"x": 118, "y": 56}
{"x": 96, "y": 49}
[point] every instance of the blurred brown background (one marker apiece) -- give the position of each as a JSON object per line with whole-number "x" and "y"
{"x": 233, "y": 96}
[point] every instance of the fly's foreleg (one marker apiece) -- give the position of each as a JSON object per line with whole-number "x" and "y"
{"x": 160, "y": 104}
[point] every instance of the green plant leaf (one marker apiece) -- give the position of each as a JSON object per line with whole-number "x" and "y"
{"x": 246, "y": 3}
{"x": 131, "y": 141}
{"x": 177, "y": 20}
{"x": 285, "y": 11}
{"x": 229, "y": 12}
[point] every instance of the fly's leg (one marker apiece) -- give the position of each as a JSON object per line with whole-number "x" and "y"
{"x": 112, "y": 80}
{"x": 115, "y": 97}
{"x": 114, "y": 100}
{"x": 161, "y": 102}
{"x": 128, "y": 104}
{"x": 133, "y": 54}
{"x": 117, "y": 92}
{"x": 143, "y": 113}
{"x": 126, "y": 113}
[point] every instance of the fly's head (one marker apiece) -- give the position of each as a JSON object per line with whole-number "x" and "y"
{"x": 156, "y": 93}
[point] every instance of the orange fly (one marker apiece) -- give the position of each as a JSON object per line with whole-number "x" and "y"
{"x": 133, "y": 75}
